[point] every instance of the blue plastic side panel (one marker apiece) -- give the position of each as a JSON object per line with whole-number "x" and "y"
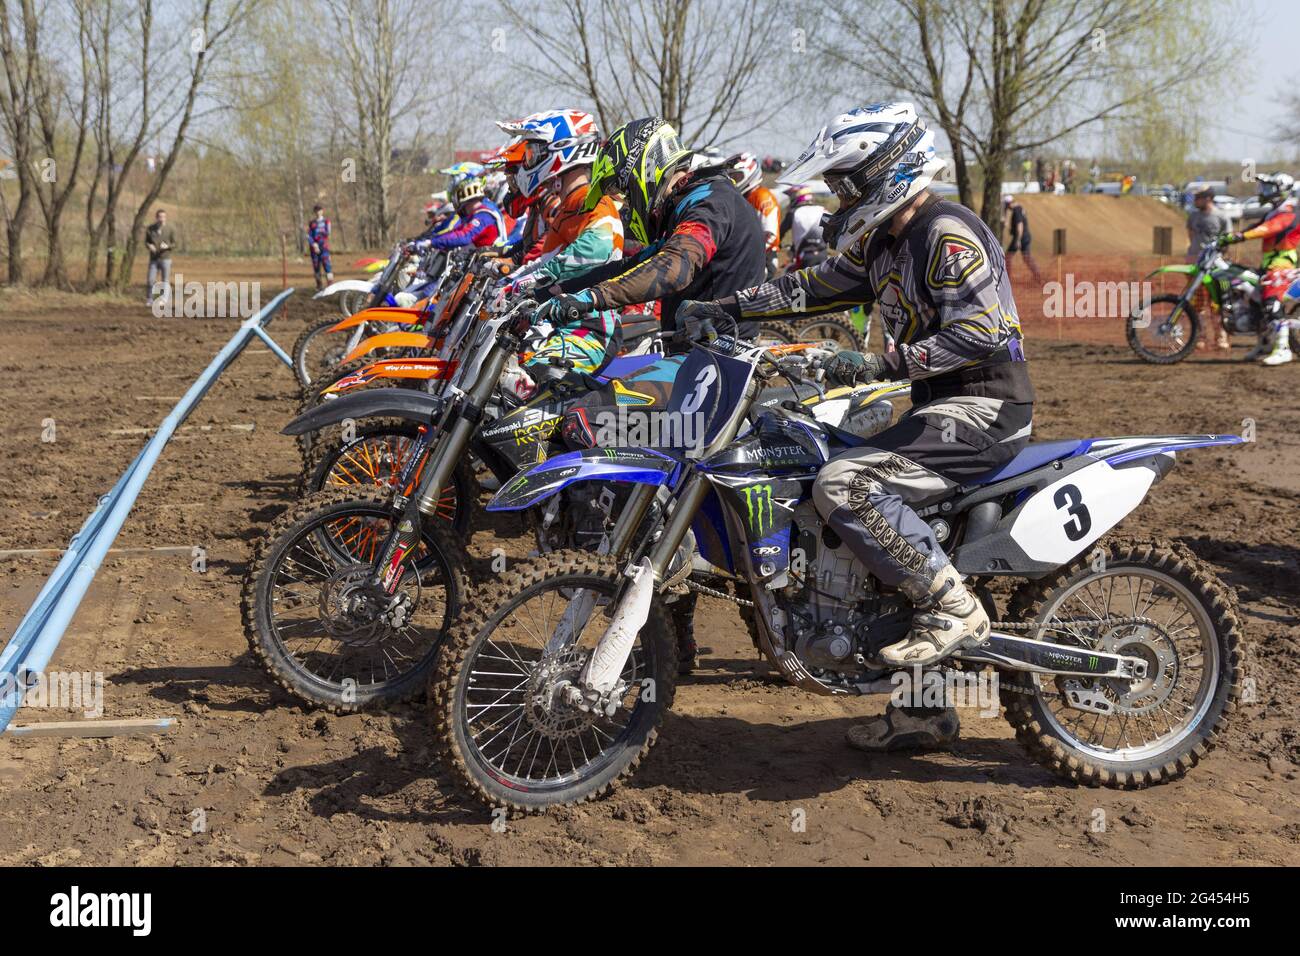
{"x": 632, "y": 465}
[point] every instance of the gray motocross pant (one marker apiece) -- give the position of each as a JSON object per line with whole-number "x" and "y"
{"x": 866, "y": 495}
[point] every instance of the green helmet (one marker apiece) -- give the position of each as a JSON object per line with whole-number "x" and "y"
{"x": 635, "y": 161}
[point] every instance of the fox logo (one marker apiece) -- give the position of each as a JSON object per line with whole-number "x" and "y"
{"x": 955, "y": 259}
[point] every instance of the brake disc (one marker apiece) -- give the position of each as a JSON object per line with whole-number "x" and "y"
{"x": 550, "y": 709}
{"x": 358, "y": 613}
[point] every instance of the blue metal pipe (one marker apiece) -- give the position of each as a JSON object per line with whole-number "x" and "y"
{"x": 42, "y": 627}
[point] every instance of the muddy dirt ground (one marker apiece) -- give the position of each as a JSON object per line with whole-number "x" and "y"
{"x": 737, "y": 759}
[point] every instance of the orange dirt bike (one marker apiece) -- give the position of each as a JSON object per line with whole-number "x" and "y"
{"x": 350, "y": 592}
{"x": 406, "y": 279}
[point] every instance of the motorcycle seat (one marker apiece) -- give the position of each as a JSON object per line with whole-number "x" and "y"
{"x": 1033, "y": 455}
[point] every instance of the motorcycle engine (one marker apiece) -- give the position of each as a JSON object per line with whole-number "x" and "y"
{"x": 1238, "y": 315}
{"x": 832, "y": 602}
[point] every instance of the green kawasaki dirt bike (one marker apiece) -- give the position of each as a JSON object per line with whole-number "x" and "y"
{"x": 1165, "y": 329}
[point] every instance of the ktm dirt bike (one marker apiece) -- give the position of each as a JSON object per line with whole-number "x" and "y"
{"x": 1166, "y": 329}
{"x": 1118, "y": 661}
{"x": 405, "y": 280}
{"x": 351, "y": 590}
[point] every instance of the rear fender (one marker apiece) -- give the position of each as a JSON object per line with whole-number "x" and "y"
{"x": 404, "y": 403}
{"x": 389, "y": 340}
{"x": 639, "y": 466}
{"x": 1073, "y": 503}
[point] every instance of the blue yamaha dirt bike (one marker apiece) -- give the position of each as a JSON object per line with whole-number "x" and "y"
{"x": 1117, "y": 661}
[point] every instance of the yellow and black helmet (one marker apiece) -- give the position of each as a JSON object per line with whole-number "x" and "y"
{"x": 635, "y": 162}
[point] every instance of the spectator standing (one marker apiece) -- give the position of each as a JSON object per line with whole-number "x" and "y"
{"x": 1020, "y": 238}
{"x": 318, "y": 241}
{"x": 1205, "y": 223}
{"x": 159, "y": 239}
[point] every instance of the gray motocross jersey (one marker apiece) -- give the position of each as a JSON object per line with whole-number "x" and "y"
{"x": 941, "y": 286}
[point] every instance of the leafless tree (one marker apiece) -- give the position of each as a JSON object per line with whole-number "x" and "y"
{"x": 385, "y": 46}
{"x": 148, "y": 75}
{"x": 1002, "y": 77}
{"x": 62, "y": 106}
{"x": 19, "y": 38}
{"x": 712, "y": 68}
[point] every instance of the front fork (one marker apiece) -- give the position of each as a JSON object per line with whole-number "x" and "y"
{"x": 429, "y": 470}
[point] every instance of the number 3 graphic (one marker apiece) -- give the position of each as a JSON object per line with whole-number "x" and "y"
{"x": 695, "y": 398}
{"x": 1070, "y": 498}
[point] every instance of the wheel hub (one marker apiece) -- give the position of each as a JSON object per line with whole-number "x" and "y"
{"x": 1150, "y": 644}
{"x": 358, "y": 613}
{"x": 550, "y": 707}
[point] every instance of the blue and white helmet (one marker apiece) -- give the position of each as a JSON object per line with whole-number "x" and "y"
{"x": 875, "y": 159}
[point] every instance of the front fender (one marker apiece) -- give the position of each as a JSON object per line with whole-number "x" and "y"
{"x": 639, "y": 466}
{"x": 381, "y": 313}
{"x": 1182, "y": 268}
{"x": 389, "y": 340}
{"x": 420, "y": 369}
{"x": 404, "y": 403}
{"x": 344, "y": 285}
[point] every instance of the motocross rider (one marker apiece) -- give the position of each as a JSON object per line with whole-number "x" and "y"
{"x": 481, "y": 222}
{"x": 559, "y": 149}
{"x": 699, "y": 239}
{"x": 1280, "y": 231}
{"x": 698, "y": 236}
{"x": 939, "y": 277}
{"x": 748, "y": 177}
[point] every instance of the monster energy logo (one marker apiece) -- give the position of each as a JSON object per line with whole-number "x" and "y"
{"x": 758, "y": 502}
{"x": 1092, "y": 662}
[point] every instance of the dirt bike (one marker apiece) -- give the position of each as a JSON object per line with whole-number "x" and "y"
{"x": 351, "y": 590}
{"x": 405, "y": 280}
{"x": 1166, "y": 329}
{"x": 1119, "y": 662}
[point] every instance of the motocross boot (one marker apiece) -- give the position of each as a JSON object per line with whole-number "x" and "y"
{"x": 949, "y": 618}
{"x": 1280, "y": 352}
{"x": 905, "y": 728}
{"x": 688, "y": 652}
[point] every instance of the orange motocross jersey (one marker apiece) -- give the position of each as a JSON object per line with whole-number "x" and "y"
{"x": 1280, "y": 229}
{"x": 769, "y": 213}
{"x": 569, "y": 221}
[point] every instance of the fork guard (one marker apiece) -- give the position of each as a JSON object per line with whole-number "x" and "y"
{"x": 1059, "y": 660}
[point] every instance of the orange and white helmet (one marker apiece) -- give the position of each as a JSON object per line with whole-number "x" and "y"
{"x": 745, "y": 171}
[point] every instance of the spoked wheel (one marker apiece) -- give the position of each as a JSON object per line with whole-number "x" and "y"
{"x": 1164, "y": 331}
{"x": 832, "y": 332}
{"x": 375, "y": 456}
{"x": 317, "y": 624}
{"x": 352, "y": 302}
{"x": 503, "y": 694}
{"x": 1152, "y": 602}
{"x": 317, "y": 350}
